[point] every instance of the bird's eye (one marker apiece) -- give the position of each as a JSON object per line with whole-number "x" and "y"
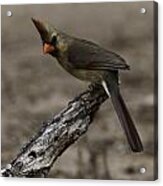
{"x": 54, "y": 40}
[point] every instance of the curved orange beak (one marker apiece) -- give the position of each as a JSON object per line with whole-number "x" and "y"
{"x": 48, "y": 48}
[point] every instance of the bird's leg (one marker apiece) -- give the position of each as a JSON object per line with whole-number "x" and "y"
{"x": 94, "y": 86}
{"x": 77, "y": 98}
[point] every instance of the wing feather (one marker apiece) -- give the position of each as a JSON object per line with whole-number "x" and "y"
{"x": 84, "y": 54}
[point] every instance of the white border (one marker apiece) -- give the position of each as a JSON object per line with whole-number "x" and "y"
{"x": 58, "y": 182}
{"x": 60, "y": 1}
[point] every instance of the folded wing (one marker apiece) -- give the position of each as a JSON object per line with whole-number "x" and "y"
{"x": 83, "y": 54}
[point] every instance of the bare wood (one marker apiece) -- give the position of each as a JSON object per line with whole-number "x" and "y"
{"x": 56, "y": 135}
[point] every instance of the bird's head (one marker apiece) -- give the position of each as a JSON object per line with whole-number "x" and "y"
{"x": 52, "y": 39}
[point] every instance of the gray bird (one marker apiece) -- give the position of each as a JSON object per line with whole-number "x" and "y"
{"x": 89, "y": 62}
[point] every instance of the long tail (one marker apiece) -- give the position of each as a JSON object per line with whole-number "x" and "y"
{"x": 124, "y": 117}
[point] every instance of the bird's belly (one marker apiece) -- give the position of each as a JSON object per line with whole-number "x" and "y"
{"x": 86, "y": 75}
{"x": 82, "y": 74}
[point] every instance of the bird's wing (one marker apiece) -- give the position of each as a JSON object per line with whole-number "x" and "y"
{"x": 83, "y": 54}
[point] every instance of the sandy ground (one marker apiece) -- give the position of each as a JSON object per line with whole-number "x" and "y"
{"x": 35, "y": 87}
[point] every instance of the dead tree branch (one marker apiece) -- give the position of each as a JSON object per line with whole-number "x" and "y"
{"x": 56, "y": 135}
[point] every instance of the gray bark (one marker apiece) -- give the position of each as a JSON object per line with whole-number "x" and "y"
{"x": 37, "y": 157}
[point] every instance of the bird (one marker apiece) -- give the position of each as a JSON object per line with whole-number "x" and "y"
{"x": 90, "y": 62}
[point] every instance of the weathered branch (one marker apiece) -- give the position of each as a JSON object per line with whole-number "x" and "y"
{"x": 55, "y": 136}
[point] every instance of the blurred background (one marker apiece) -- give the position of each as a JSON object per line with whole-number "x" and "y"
{"x": 35, "y": 87}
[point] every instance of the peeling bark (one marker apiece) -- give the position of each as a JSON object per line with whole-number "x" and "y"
{"x": 56, "y": 135}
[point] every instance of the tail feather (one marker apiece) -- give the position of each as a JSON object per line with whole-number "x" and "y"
{"x": 125, "y": 119}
